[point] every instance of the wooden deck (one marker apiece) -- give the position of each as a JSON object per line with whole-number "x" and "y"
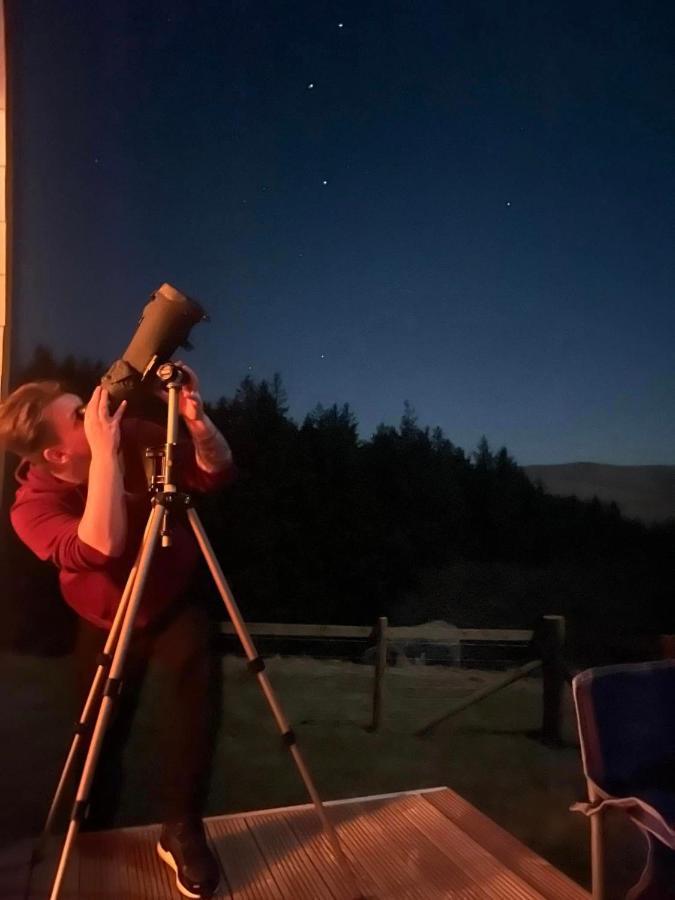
{"x": 424, "y": 845}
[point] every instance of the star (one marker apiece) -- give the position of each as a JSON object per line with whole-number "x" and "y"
{"x": 323, "y": 356}
{"x": 324, "y": 182}
{"x": 341, "y": 25}
{"x": 310, "y": 86}
{"x": 508, "y": 203}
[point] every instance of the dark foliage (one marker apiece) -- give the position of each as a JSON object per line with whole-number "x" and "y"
{"x": 324, "y": 527}
{"x": 78, "y": 376}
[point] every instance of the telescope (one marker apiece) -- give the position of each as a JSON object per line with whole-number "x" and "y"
{"x": 165, "y": 325}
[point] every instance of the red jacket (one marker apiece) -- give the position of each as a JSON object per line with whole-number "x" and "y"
{"x": 46, "y": 514}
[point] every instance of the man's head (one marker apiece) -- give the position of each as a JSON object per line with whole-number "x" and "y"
{"x": 40, "y": 422}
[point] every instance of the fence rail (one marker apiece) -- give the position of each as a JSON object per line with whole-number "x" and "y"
{"x": 474, "y": 648}
{"x": 397, "y": 632}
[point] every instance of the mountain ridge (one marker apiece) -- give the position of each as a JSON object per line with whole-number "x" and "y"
{"x": 645, "y": 492}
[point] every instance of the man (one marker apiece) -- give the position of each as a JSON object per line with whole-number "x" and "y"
{"x": 83, "y": 504}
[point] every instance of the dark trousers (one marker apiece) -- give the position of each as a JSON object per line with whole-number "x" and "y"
{"x": 181, "y": 645}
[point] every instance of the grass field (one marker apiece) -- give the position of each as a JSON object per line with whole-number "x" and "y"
{"x": 485, "y": 753}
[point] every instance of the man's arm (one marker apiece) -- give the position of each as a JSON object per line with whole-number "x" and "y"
{"x": 49, "y": 529}
{"x": 103, "y": 525}
{"x": 212, "y": 452}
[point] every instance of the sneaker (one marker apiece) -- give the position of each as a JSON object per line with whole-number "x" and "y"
{"x": 182, "y": 845}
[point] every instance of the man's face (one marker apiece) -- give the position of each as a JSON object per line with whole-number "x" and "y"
{"x": 70, "y": 455}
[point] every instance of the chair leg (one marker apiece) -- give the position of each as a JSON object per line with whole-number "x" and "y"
{"x": 597, "y": 856}
{"x": 597, "y": 846}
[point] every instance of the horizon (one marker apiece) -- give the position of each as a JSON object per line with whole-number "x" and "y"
{"x": 298, "y": 419}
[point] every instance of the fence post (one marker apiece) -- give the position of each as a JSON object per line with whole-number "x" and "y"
{"x": 552, "y": 641}
{"x": 380, "y": 666}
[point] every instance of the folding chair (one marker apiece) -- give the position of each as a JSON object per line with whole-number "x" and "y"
{"x": 626, "y": 721}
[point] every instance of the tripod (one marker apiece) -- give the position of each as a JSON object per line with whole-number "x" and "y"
{"x": 105, "y": 689}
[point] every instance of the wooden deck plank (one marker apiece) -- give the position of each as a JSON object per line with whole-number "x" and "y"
{"x": 115, "y": 869}
{"x": 134, "y": 864}
{"x": 88, "y": 869}
{"x": 402, "y": 871}
{"x": 472, "y": 859}
{"x": 122, "y": 866}
{"x": 462, "y": 872}
{"x": 244, "y": 865}
{"x": 416, "y": 860}
{"x": 144, "y": 865}
{"x": 111, "y": 865}
{"x": 309, "y": 830}
{"x": 151, "y": 872}
{"x": 139, "y": 866}
{"x": 533, "y": 869}
{"x": 292, "y": 867}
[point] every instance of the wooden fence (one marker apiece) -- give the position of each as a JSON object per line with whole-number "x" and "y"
{"x": 546, "y": 643}
{"x": 543, "y": 648}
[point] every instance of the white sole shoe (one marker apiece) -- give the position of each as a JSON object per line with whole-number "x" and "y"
{"x": 167, "y": 857}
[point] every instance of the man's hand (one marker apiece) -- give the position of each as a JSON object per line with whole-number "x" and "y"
{"x": 103, "y": 525}
{"x": 190, "y": 403}
{"x": 212, "y": 451}
{"x": 102, "y": 429}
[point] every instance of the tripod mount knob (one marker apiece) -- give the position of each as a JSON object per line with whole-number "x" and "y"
{"x": 169, "y": 372}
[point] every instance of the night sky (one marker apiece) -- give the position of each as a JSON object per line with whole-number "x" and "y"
{"x": 469, "y": 206}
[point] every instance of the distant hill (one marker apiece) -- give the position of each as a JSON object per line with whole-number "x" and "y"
{"x": 641, "y": 492}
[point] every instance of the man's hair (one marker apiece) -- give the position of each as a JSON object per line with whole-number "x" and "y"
{"x": 23, "y": 428}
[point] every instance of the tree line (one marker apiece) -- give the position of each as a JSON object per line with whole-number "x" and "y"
{"x": 322, "y": 526}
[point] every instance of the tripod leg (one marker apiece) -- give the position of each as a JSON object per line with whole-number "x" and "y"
{"x": 82, "y": 725}
{"x": 257, "y": 665}
{"x": 110, "y": 693}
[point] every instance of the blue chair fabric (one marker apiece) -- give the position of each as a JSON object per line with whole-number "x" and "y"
{"x": 626, "y": 721}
